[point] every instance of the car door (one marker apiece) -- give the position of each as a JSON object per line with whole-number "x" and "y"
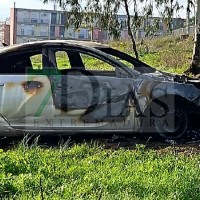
{"x": 26, "y": 98}
{"x": 88, "y": 93}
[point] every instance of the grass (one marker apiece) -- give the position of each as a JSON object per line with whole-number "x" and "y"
{"x": 88, "y": 171}
{"x": 169, "y": 53}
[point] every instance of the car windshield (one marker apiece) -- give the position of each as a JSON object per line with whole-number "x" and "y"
{"x": 128, "y": 60}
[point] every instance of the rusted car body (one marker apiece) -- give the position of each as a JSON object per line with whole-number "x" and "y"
{"x": 78, "y": 98}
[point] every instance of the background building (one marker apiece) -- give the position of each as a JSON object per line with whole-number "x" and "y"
{"x": 32, "y": 25}
{"x": 5, "y": 32}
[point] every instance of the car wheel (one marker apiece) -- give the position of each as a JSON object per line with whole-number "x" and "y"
{"x": 168, "y": 121}
{"x": 174, "y": 124}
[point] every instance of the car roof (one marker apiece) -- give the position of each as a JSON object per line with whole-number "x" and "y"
{"x": 16, "y": 47}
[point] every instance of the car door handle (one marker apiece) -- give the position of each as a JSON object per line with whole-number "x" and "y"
{"x": 1, "y": 84}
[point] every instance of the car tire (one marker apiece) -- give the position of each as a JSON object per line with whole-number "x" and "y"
{"x": 168, "y": 121}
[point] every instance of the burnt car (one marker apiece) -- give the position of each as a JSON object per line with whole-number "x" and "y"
{"x": 69, "y": 87}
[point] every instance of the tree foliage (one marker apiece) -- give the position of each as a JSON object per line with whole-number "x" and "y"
{"x": 170, "y": 8}
{"x": 104, "y": 13}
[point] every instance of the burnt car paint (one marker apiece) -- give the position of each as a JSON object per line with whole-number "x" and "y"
{"x": 152, "y": 83}
{"x": 37, "y": 102}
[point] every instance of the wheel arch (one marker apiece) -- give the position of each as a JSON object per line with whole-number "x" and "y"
{"x": 191, "y": 107}
{"x": 149, "y": 117}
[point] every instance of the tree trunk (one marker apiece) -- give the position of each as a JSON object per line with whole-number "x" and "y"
{"x": 188, "y": 17}
{"x": 195, "y": 66}
{"x": 129, "y": 29}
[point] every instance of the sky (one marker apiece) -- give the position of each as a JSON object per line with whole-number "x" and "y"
{"x": 5, "y": 6}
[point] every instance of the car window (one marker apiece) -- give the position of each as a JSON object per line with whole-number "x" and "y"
{"x": 36, "y": 61}
{"x": 94, "y": 64}
{"x": 62, "y": 60}
{"x": 71, "y": 61}
{"x": 21, "y": 63}
{"x": 128, "y": 60}
{"x": 118, "y": 56}
{"x": 124, "y": 62}
{"x": 100, "y": 67}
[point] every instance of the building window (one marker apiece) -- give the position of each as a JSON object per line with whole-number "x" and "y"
{"x": 63, "y": 19}
{"x": 53, "y": 18}
{"x": 52, "y": 31}
{"x": 34, "y": 21}
{"x": 22, "y": 31}
{"x": 58, "y": 21}
{"x": 62, "y": 31}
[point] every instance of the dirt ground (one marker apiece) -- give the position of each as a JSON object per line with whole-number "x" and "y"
{"x": 190, "y": 144}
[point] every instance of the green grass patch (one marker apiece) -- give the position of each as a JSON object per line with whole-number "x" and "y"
{"x": 88, "y": 171}
{"x": 169, "y": 53}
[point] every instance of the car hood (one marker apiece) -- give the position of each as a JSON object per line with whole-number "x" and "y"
{"x": 176, "y": 78}
{"x": 151, "y": 86}
{"x": 159, "y": 76}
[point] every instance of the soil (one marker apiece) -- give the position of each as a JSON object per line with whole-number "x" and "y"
{"x": 190, "y": 144}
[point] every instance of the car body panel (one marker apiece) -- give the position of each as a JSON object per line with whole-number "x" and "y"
{"x": 22, "y": 96}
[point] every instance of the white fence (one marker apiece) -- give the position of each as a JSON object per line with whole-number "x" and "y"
{"x": 184, "y": 31}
